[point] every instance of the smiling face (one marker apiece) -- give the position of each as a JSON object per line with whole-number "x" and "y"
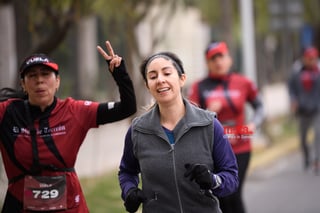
{"x": 163, "y": 81}
{"x": 40, "y": 83}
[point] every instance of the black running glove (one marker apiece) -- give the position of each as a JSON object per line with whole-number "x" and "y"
{"x": 133, "y": 199}
{"x": 200, "y": 174}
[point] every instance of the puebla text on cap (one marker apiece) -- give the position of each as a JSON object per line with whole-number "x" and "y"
{"x": 38, "y": 59}
{"x": 216, "y": 48}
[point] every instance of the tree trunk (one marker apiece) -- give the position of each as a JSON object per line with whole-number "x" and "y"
{"x": 22, "y": 37}
{"x": 8, "y": 65}
{"x": 87, "y": 57}
{"x": 227, "y": 23}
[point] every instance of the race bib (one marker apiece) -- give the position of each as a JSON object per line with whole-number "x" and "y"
{"x": 45, "y": 193}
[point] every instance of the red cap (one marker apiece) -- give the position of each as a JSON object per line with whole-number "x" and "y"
{"x": 216, "y": 48}
{"x": 311, "y": 52}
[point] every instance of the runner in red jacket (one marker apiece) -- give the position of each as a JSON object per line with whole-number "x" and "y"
{"x": 40, "y": 135}
{"x": 227, "y": 93}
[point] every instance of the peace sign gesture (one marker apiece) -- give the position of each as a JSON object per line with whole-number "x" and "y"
{"x": 114, "y": 59}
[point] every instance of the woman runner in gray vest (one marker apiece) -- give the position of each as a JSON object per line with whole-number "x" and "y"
{"x": 180, "y": 150}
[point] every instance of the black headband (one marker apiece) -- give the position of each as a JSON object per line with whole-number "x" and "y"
{"x": 167, "y": 58}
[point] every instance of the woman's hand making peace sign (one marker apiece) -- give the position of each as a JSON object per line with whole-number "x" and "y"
{"x": 113, "y": 59}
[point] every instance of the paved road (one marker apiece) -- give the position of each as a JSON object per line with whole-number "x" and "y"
{"x": 283, "y": 187}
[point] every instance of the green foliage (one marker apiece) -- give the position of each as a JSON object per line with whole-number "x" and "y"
{"x": 212, "y": 12}
{"x": 210, "y": 9}
{"x": 43, "y": 14}
{"x": 261, "y": 16}
{"x": 311, "y": 11}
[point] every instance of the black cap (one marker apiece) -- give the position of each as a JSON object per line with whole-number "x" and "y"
{"x": 38, "y": 59}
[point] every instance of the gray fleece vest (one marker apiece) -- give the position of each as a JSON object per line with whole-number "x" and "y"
{"x": 162, "y": 164}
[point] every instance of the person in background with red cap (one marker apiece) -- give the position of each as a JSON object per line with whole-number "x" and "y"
{"x": 304, "y": 92}
{"x": 227, "y": 93}
{"x": 40, "y": 135}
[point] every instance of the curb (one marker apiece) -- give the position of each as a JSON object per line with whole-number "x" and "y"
{"x": 272, "y": 153}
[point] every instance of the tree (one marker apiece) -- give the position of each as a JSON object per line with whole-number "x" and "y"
{"x": 40, "y": 26}
{"x": 312, "y": 17}
{"x": 121, "y": 19}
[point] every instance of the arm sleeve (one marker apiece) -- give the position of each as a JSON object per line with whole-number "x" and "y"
{"x": 114, "y": 111}
{"x": 292, "y": 88}
{"x": 129, "y": 167}
{"x": 255, "y": 101}
{"x": 258, "y": 115}
{"x": 225, "y": 163}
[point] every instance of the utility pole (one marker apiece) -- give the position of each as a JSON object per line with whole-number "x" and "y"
{"x": 248, "y": 40}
